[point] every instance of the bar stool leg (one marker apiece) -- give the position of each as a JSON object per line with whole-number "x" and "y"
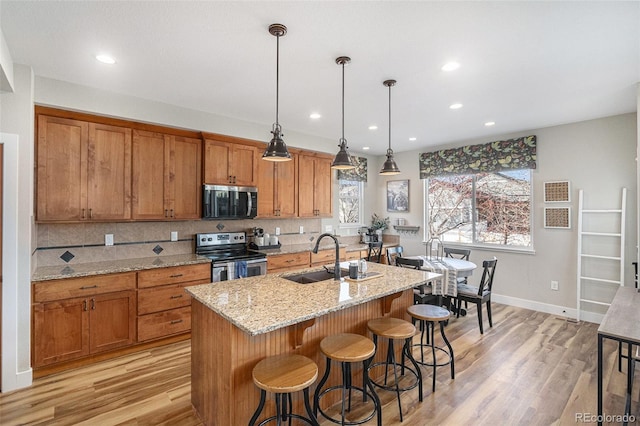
{"x": 407, "y": 351}
{"x": 431, "y": 325}
{"x": 444, "y": 337}
{"x": 263, "y": 395}
{"x": 316, "y": 394}
{"x": 374, "y": 395}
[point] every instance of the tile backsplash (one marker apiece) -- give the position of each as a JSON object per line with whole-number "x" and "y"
{"x": 85, "y": 242}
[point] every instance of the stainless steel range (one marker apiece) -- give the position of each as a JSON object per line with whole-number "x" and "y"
{"x": 230, "y": 257}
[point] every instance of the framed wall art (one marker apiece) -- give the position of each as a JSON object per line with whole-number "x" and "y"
{"x": 557, "y": 192}
{"x": 398, "y": 196}
{"x": 557, "y": 217}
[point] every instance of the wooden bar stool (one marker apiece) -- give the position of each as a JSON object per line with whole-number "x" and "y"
{"x": 347, "y": 348}
{"x": 283, "y": 375}
{"x": 428, "y": 315}
{"x": 396, "y": 329}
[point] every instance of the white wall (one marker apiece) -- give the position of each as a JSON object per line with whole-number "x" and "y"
{"x": 16, "y": 117}
{"x": 6, "y": 66}
{"x": 597, "y": 156}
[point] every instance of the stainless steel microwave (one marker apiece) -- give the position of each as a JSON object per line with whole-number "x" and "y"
{"x": 229, "y": 202}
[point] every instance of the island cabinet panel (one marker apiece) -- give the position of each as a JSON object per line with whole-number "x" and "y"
{"x": 228, "y": 163}
{"x": 285, "y": 262}
{"x": 222, "y": 387}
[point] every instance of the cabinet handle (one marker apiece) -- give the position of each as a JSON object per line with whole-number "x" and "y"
{"x": 93, "y": 304}
{"x": 166, "y": 213}
{"x": 176, "y": 321}
{"x": 172, "y": 213}
{"x": 175, "y": 276}
{"x": 84, "y": 305}
{"x": 87, "y": 287}
{"x": 289, "y": 260}
{"x": 177, "y": 296}
{"x": 230, "y": 179}
{"x": 83, "y": 214}
{"x": 90, "y": 213}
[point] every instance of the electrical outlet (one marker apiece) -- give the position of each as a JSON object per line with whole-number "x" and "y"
{"x": 301, "y": 229}
{"x": 174, "y": 235}
{"x": 108, "y": 239}
{"x": 328, "y": 228}
{"x": 554, "y": 285}
{"x": 277, "y": 230}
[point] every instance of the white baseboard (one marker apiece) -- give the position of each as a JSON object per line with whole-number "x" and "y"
{"x": 561, "y": 311}
{"x": 24, "y": 379}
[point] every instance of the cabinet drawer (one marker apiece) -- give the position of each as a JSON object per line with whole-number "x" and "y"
{"x": 163, "y": 298}
{"x": 174, "y": 275}
{"x": 287, "y": 261}
{"x": 326, "y": 256}
{"x": 165, "y": 323}
{"x": 356, "y": 255}
{"x": 67, "y": 288}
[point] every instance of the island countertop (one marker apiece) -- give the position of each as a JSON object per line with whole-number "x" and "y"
{"x": 258, "y": 305}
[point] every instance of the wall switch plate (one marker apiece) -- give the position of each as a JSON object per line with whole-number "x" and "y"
{"x": 328, "y": 228}
{"x": 108, "y": 239}
{"x": 301, "y": 229}
{"x": 554, "y": 285}
{"x": 174, "y": 235}
{"x": 277, "y": 230}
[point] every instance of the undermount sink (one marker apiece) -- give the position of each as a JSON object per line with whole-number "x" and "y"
{"x": 313, "y": 276}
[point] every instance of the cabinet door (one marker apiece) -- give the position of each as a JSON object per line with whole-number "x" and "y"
{"x": 149, "y": 183}
{"x": 322, "y": 186}
{"x": 217, "y": 157}
{"x": 286, "y": 190}
{"x": 112, "y": 320}
{"x": 61, "y": 185}
{"x": 306, "y": 172}
{"x": 60, "y": 331}
{"x": 109, "y": 172}
{"x": 243, "y": 165}
{"x": 266, "y": 188}
{"x": 186, "y": 178}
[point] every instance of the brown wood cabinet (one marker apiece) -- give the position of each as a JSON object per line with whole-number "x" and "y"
{"x": 167, "y": 176}
{"x": 228, "y": 163}
{"x": 83, "y": 171}
{"x": 286, "y": 262}
{"x": 278, "y": 188}
{"x": 326, "y": 257}
{"x": 314, "y": 186}
{"x": 69, "y": 328}
{"x": 164, "y": 307}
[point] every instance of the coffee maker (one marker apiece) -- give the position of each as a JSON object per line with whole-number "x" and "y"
{"x": 368, "y": 235}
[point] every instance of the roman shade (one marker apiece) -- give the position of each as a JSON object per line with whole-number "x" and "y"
{"x": 359, "y": 173}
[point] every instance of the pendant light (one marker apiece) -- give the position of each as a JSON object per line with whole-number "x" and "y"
{"x": 277, "y": 149}
{"x": 343, "y": 159}
{"x": 390, "y": 167}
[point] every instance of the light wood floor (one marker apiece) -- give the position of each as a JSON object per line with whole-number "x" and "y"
{"x": 530, "y": 368}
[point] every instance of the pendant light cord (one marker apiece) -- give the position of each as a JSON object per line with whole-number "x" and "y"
{"x": 390, "y": 117}
{"x": 277, "y": 126}
{"x": 342, "y": 102}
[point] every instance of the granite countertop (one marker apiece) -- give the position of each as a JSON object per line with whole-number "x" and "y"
{"x": 297, "y": 248}
{"x": 262, "y": 304}
{"x": 45, "y": 273}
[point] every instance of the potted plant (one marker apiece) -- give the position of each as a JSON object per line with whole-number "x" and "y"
{"x": 379, "y": 224}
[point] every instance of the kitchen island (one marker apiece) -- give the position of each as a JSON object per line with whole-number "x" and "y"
{"x": 237, "y": 323}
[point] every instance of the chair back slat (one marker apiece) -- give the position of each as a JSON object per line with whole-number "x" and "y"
{"x": 457, "y": 253}
{"x": 393, "y": 253}
{"x": 375, "y": 252}
{"x": 408, "y": 263}
{"x": 488, "y": 271}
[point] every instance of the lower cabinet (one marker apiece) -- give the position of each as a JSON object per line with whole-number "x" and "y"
{"x": 325, "y": 257}
{"x": 286, "y": 262}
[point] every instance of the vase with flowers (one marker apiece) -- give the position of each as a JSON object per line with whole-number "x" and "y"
{"x": 379, "y": 224}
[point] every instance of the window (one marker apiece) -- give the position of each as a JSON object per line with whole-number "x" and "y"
{"x": 350, "y": 201}
{"x": 484, "y": 208}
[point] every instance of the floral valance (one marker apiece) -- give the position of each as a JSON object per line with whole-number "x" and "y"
{"x": 511, "y": 154}
{"x": 358, "y": 174}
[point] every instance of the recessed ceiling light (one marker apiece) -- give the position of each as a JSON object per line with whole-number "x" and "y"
{"x": 314, "y": 115}
{"x": 374, "y": 127}
{"x": 490, "y": 123}
{"x": 455, "y": 106}
{"x": 450, "y": 66}
{"x": 412, "y": 139}
{"x": 365, "y": 148}
{"x": 106, "y": 59}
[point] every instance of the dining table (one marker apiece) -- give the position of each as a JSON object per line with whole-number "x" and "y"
{"x": 620, "y": 324}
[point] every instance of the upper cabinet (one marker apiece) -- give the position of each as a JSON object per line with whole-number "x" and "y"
{"x": 227, "y": 163}
{"x": 278, "y": 188}
{"x": 83, "y": 171}
{"x": 166, "y": 176}
{"x": 314, "y": 186}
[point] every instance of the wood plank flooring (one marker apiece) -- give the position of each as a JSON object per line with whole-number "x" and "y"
{"x": 530, "y": 368}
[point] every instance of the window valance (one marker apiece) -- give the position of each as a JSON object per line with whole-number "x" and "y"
{"x": 511, "y": 154}
{"x": 358, "y": 174}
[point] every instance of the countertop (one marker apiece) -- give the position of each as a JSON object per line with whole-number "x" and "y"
{"x": 262, "y": 304}
{"x": 110, "y": 267}
{"x": 297, "y": 248}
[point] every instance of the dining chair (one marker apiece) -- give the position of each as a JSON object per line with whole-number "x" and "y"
{"x": 480, "y": 294}
{"x": 419, "y": 294}
{"x": 393, "y": 253}
{"x": 456, "y": 253}
{"x": 375, "y": 252}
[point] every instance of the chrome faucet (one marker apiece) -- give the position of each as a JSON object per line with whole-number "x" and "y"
{"x": 336, "y": 270}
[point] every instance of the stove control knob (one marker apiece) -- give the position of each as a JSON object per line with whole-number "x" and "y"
{"x": 203, "y": 239}
{"x": 209, "y": 239}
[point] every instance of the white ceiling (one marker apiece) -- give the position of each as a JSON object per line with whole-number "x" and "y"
{"x": 524, "y": 65}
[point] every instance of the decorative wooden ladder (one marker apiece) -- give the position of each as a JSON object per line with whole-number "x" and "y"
{"x": 594, "y": 233}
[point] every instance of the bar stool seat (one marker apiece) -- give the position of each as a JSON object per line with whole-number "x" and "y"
{"x": 428, "y": 315}
{"x": 396, "y": 329}
{"x": 283, "y": 375}
{"x": 348, "y": 348}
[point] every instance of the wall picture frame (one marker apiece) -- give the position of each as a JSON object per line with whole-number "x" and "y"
{"x": 398, "y": 196}
{"x": 557, "y": 217}
{"x": 557, "y": 192}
